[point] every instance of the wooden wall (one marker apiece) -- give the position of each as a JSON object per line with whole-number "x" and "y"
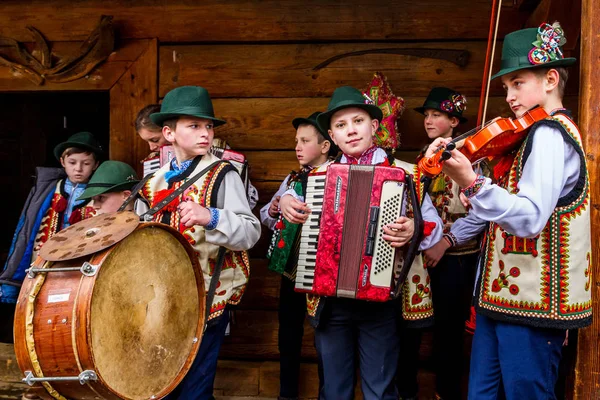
{"x": 257, "y": 59}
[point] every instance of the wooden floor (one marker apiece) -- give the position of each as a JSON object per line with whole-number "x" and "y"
{"x": 235, "y": 380}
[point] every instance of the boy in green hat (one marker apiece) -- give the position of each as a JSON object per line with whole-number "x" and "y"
{"x": 152, "y": 134}
{"x": 348, "y": 329}
{"x": 211, "y": 213}
{"x": 110, "y": 186}
{"x": 535, "y": 275}
{"x": 52, "y": 205}
{"x": 313, "y": 148}
{"x": 451, "y": 264}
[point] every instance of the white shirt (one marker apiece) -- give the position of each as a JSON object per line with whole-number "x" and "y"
{"x": 550, "y": 172}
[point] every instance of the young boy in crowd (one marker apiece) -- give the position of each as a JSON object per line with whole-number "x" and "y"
{"x": 345, "y": 326}
{"x": 150, "y": 132}
{"x": 212, "y": 213}
{"x": 52, "y": 205}
{"x": 451, "y": 264}
{"x": 110, "y": 186}
{"x": 534, "y": 280}
{"x": 313, "y": 147}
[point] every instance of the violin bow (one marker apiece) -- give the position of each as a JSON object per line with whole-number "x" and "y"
{"x": 489, "y": 61}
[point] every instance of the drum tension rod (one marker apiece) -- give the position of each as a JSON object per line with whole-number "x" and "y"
{"x": 85, "y": 376}
{"x": 86, "y": 269}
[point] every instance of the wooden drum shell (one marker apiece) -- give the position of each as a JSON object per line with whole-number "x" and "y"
{"x": 56, "y": 338}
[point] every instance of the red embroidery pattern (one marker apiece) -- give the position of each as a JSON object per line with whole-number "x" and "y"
{"x": 502, "y": 282}
{"x": 422, "y": 290}
{"x": 518, "y": 245}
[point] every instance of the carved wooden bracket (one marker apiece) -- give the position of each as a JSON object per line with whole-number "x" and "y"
{"x": 47, "y": 66}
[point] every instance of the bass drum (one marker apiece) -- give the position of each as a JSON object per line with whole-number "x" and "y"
{"x": 122, "y": 323}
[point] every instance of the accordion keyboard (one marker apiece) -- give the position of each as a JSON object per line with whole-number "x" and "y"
{"x": 315, "y": 189}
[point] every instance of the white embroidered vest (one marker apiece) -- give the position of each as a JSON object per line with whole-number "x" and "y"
{"x": 542, "y": 281}
{"x": 236, "y": 267}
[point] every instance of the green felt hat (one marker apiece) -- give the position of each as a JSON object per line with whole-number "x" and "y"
{"x": 191, "y": 101}
{"x": 447, "y": 100}
{"x": 311, "y": 120}
{"x": 346, "y": 97}
{"x": 80, "y": 140}
{"x": 534, "y": 48}
{"x": 111, "y": 176}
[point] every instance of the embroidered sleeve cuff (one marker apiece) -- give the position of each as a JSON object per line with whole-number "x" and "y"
{"x": 214, "y": 218}
{"x": 450, "y": 238}
{"x": 474, "y": 187}
{"x": 428, "y": 227}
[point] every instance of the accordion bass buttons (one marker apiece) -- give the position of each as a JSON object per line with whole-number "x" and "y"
{"x": 382, "y": 267}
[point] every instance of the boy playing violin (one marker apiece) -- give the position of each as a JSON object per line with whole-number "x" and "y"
{"x": 535, "y": 273}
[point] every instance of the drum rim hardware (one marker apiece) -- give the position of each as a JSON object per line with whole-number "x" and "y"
{"x": 86, "y": 269}
{"x": 83, "y": 378}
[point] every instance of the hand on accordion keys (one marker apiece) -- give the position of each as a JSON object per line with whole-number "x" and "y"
{"x": 293, "y": 210}
{"x": 399, "y": 233}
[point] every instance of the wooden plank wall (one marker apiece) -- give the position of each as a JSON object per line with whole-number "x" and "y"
{"x": 258, "y": 59}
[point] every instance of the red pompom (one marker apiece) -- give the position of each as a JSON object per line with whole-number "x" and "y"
{"x": 163, "y": 194}
{"x": 281, "y": 244}
{"x": 428, "y": 227}
{"x": 60, "y": 204}
{"x": 75, "y": 217}
{"x": 279, "y": 225}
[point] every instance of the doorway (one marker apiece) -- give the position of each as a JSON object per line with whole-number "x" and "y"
{"x": 32, "y": 124}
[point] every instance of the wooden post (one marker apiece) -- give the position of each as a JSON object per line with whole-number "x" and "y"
{"x": 587, "y": 369}
{"x": 136, "y": 88}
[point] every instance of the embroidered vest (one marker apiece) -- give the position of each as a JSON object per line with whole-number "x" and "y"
{"x": 236, "y": 266}
{"x": 417, "y": 306}
{"x": 542, "y": 281}
{"x": 52, "y": 222}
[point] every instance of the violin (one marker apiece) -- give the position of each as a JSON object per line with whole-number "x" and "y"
{"x": 497, "y": 138}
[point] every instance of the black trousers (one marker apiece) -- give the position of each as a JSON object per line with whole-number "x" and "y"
{"x": 452, "y": 282}
{"x": 292, "y": 311}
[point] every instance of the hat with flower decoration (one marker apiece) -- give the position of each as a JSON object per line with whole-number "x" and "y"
{"x": 534, "y": 48}
{"x": 446, "y": 100}
{"x": 346, "y": 97}
{"x": 111, "y": 176}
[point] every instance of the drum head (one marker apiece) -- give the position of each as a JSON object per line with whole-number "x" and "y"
{"x": 89, "y": 236}
{"x": 145, "y": 314}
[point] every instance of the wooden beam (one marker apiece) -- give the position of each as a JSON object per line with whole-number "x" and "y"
{"x": 587, "y": 370}
{"x": 136, "y": 88}
{"x": 288, "y": 70}
{"x": 265, "y": 123}
{"x": 265, "y": 20}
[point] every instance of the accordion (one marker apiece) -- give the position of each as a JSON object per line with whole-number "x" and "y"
{"x": 342, "y": 252}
